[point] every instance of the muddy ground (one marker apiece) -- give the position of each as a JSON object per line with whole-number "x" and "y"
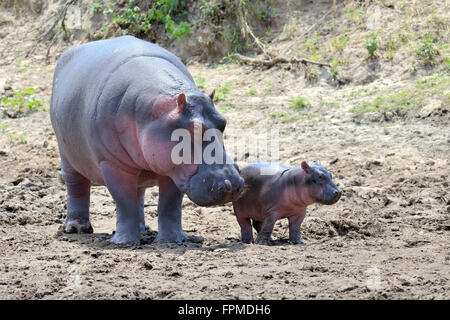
{"x": 387, "y": 238}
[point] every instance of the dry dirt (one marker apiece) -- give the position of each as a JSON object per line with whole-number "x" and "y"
{"x": 387, "y": 238}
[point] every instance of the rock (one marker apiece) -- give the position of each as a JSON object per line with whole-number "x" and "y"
{"x": 148, "y": 265}
{"x": 428, "y": 110}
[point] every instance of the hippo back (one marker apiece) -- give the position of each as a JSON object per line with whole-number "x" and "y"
{"x": 93, "y": 80}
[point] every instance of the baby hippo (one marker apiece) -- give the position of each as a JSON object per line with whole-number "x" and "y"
{"x": 275, "y": 191}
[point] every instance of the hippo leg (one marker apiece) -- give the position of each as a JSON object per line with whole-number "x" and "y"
{"x": 257, "y": 225}
{"x": 123, "y": 188}
{"x": 266, "y": 229}
{"x": 246, "y": 229}
{"x": 169, "y": 212}
{"x": 142, "y": 225}
{"x": 294, "y": 228}
{"x": 78, "y": 193}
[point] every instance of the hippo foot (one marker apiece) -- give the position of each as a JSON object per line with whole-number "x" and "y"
{"x": 124, "y": 238}
{"x": 75, "y": 226}
{"x": 144, "y": 227}
{"x": 296, "y": 241}
{"x": 263, "y": 241}
{"x": 247, "y": 236}
{"x": 174, "y": 237}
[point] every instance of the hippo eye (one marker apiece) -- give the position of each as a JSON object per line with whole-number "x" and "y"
{"x": 321, "y": 177}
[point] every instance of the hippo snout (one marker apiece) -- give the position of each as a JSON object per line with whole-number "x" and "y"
{"x": 228, "y": 186}
{"x": 214, "y": 185}
{"x": 235, "y": 188}
{"x": 336, "y": 195}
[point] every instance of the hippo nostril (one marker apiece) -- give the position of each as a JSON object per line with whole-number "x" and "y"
{"x": 227, "y": 185}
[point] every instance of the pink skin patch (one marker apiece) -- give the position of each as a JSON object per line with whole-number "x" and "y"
{"x": 156, "y": 145}
{"x": 296, "y": 199}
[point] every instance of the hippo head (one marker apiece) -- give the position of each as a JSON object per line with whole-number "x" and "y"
{"x": 320, "y": 186}
{"x": 181, "y": 137}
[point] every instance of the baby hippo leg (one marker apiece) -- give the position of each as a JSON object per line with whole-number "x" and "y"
{"x": 246, "y": 229}
{"x": 294, "y": 228}
{"x": 266, "y": 229}
{"x": 257, "y": 225}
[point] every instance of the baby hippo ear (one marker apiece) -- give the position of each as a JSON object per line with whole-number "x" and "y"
{"x": 211, "y": 95}
{"x": 181, "y": 101}
{"x": 305, "y": 167}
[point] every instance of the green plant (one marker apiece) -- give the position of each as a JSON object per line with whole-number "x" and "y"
{"x": 97, "y": 7}
{"x": 3, "y": 127}
{"x": 23, "y": 100}
{"x": 22, "y": 139}
{"x": 372, "y": 45}
{"x": 290, "y": 28}
{"x": 354, "y": 14}
{"x": 251, "y": 92}
{"x": 401, "y": 99}
{"x": 223, "y": 90}
{"x": 299, "y": 102}
{"x": 266, "y": 14}
{"x": 339, "y": 43}
{"x": 333, "y": 67}
{"x": 176, "y": 31}
{"x": 282, "y": 116}
{"x": 427, "y": 51}
{"x": 132, "y": 19}
{"x": 200, "y": 82}
{"x": 391, "y": 47}
{"x": 311, "y": 45}
{"x": 312, "y": 75}
{"x": 11, "y": 137}
{"x": 221, "y": 93}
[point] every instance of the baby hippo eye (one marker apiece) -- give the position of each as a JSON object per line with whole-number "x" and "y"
{"x": 321, "y": 177}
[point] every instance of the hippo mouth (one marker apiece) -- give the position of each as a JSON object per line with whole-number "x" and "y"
{"x": 208, "y": 190}
{"x": 215, "y": 197}
{"x": 333, "y": 200}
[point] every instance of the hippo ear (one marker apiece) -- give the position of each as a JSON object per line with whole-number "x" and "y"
{"x": 318, "y": 162}
{"x": 211, "y": 95}
{"x": 305, "y": 167}
{"x": 181, "y": 101}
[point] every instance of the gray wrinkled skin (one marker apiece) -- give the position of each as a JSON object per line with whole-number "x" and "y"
{"x": 115, "y": 104}
{"x": 284, "y": 194}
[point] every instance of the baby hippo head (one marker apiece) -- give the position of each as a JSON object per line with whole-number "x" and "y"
{"x": 319, "y": 183}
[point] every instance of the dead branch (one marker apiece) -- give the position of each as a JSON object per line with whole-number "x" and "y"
{"x": 58, "y": 17}
{"x": 277, "y": 60}
{"x": 247, "y": 31}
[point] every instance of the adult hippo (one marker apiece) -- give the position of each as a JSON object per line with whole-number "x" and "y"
{"x": 115, "y": 104}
